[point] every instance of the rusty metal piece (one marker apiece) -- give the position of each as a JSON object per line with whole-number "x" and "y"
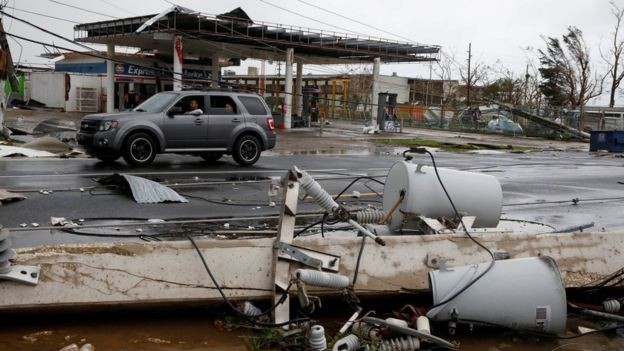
{"x": 396, "y": 205}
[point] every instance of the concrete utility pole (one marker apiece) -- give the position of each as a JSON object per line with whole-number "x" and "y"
{"x": 6, "y": 72}
{"x": 526, "y": 85}
{"x": 376, "y": 67}
{"x": 288, "y": 87}
{"x": 110, "y": 79}
{"x": 469, "y": 78}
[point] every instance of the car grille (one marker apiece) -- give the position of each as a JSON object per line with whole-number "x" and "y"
{"x": 89, "y": 127}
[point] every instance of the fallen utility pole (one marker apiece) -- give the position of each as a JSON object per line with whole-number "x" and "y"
{"x": 544, "y": 121}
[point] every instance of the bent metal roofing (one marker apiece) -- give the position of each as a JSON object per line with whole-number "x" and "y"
{"x": 205, "y": 35}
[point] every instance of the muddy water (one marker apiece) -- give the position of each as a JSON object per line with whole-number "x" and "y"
{"x": 202, "y": 328}
{"x": 138, "y": 330}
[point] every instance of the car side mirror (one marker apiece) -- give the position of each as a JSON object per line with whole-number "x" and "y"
{"x": 175, "y": 110}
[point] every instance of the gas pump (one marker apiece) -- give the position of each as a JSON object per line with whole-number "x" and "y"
{"x": 386, "y": 110}
{"x": 310, "y": 109}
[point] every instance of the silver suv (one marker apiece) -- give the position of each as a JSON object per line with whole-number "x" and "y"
{"x": 208, "y": 124}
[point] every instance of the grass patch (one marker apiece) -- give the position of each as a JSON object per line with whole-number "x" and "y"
{"x": 451, "y": 146}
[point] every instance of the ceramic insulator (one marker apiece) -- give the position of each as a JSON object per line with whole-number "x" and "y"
{"x": 314, "y": 189}
{"x": 611, "y": 306}
{"x": 348, "y": 343}
{"x": 6, "y": 251}
{"x": 322, "y": 279}
{"x": 370, "y": 216}
{"x": 317, "y": 340}
{"x": 408, "y": 343}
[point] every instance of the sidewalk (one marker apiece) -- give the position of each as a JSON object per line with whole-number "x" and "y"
{"x": 340, "y": 136}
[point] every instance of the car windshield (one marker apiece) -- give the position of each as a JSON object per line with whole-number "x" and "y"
{"x": 156, "y": 103}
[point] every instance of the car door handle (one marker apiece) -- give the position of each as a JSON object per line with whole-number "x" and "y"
{"x": 199, "y": 121}
{"x": 235, "y": 120}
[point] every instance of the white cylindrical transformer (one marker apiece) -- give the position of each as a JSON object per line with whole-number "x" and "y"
{"x": 523, "y": 294}
{"x": 473, "y": 194}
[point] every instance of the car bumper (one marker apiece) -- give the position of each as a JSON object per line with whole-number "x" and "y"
{"x": 97, "y": 141}
{"x": 271, "y": 141}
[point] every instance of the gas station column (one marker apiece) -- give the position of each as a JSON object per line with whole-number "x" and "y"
{"x": 299, "y": 83}
{"x": 178, "y": 54}
{"x": 376, "y": 66}
{"x": 214, "y": 73}
{"x": 288, "y": 89}
{"x": 110, "y": 79}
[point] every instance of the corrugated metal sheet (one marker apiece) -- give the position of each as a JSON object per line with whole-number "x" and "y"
{"x": 145, "y": 191}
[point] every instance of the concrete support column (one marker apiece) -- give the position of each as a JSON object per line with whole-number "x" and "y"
{"x": 376, "y": 66}
{"x": 214, "y": 72}
{"x": 290, "y": 57}
{"x": 178, "y": 54}
{"x": 110, "y": 79}
{"x": 299, "y": 84}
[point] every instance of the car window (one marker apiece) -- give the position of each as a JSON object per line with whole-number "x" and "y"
{"x": 191, "y": 104}
{"x": 224, "y": 104}
{"x": 156, "y": 103}
{"x": 253, "y": 105}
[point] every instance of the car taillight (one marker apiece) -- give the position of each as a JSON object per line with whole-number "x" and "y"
{"x": 271, "y": 123}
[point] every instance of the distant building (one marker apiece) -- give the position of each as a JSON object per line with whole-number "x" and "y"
{"x": 77, "y": 82}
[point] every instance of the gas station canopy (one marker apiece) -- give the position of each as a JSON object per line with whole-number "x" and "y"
{"x": 234, "y": 35}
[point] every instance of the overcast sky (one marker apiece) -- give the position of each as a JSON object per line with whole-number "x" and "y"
{"x": 499, "y": 30}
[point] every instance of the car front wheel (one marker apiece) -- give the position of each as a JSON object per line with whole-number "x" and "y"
{"x": 247, "y": 150}
{"x": 139, "y": 149}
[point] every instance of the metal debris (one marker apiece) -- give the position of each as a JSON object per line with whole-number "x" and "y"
{"x": 62, "y": 221}
{"x": 15, "y": 151}
{"x": 49, "y": 144}
{"x": 143, "y": 190}
{"x": 7, "y": 196}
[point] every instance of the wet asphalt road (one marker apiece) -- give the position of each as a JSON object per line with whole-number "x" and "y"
{"x": 531, "y": 182}
{"x": 528, "y": 181}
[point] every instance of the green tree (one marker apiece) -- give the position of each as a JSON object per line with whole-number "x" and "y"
{"x": 568, "y": 77}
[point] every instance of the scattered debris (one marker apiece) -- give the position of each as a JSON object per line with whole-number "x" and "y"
{"x": 15, "y": 151}
{"x": 49, "y": 144}
{"x": 7, "y": 196}
{"x": 33, "y": 337}
{"x": 62, "y": 221}
{"x": 143, "y": 190}
{"x": 71, "y": 347}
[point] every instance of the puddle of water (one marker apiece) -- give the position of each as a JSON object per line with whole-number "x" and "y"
{"x": 347, "y": 152}
{"x": 209, "y": 328}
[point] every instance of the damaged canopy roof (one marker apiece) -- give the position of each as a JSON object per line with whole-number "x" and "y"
{"x": 234, "y": 35}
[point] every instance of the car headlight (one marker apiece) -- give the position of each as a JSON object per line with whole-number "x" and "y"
{"x": 107, "y": 125}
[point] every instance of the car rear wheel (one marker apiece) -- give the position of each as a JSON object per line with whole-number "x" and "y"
{"x": 211, "y": 156}
{"x": 247, "y": 150}
{"x": 139, "y": 149}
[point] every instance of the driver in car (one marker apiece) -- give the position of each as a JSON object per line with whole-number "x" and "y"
{"x": 194, "y": 108}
